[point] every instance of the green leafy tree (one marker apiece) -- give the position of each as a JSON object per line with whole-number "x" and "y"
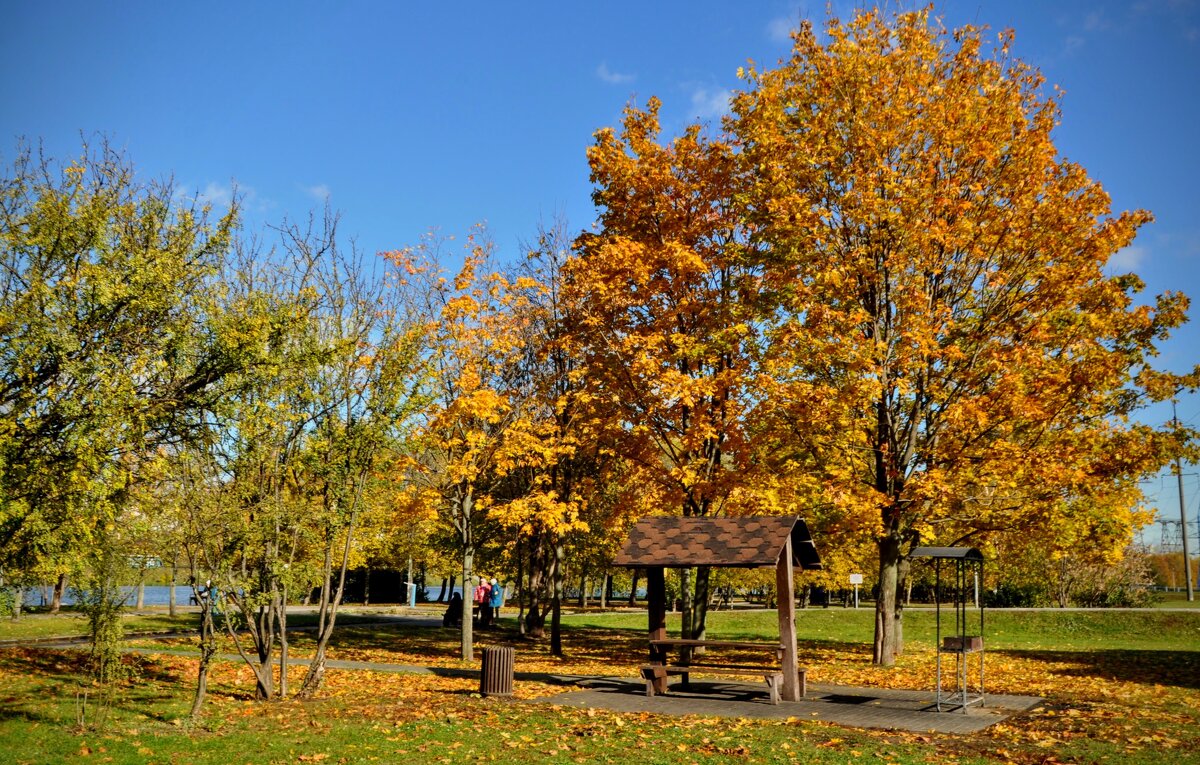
{"x": 108, "y": 348}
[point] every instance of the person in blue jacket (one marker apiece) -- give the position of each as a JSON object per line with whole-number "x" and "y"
{"x": 495, "y": 601}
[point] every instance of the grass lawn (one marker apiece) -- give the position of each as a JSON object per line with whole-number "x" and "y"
{"x": 1120, "y": 688}
{"x": 70, "y": 623}
{"x": 1015, "y": 629}
{"x": 1177, "y": 600}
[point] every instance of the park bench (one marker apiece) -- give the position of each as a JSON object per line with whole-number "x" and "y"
{"x": 691, "y": 662}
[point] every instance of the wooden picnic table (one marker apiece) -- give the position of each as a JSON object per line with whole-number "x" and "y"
{"x": 660, "y": 669}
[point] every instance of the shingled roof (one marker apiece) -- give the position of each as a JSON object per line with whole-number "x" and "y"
{"x": 674, "y": 542}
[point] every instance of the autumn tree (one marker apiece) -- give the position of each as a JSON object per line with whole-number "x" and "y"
{"x": 666, "y": 295}
{"x": 946, "y": 350}
{"x": 473, "y": 429}
{"x": 553, "y": 485}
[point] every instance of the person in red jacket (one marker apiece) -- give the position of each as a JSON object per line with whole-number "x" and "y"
{"x": 480, "y": 597}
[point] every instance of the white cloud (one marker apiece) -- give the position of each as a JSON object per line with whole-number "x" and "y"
{"x": 220, "y": 196}
{"x": 1127, "y": 260}
{"x": 216, "y": 194}
{"x": 1095, "y": 21}
{"x": 1072, "y": 44}
{"x": 611, "y": 77}
{"x": 710, "y": 103}
{"x": 779, "y": 29}
{"x": 319, "y": 192}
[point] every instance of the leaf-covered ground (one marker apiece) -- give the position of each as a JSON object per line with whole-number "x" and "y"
{"x": 1111, "y": 706}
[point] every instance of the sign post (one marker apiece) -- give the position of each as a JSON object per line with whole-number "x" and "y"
{"x": 856, "y": 580}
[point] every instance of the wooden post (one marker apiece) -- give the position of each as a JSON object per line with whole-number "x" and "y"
{"x": 656, "y": 597}
{"x": 787, "y": 622}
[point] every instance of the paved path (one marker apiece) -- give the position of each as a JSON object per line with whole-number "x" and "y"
{"x": 845, "y": 705}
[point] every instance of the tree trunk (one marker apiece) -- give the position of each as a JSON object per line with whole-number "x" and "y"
{"x": 468, "y": 635}
{"x": 535, "y": 618}
{"x": 886, "y": 606}
{"x": 260, "y": 623}
{"x": 1062, "y": 588}
{"x": 281, "y": 617}
{"x": 56, "y": 599}
{"x": 172, "y": 606}
{"x": 367, "y": 587}
{"x": 583, "y": 592}
{"x": 902, "y": 585}
{"x": 325, "y": 617}
{"x": 700, "y": 605}
{"x": 556, "y": 578}
{"x": 208, "y": 649}
{"x": 519, "y": 587}
{"x": 264, "y": 673}
{"x": 141, "y": 595}
{"x": 18, "y": 602}
{"x": 633, "y": 588}
{"x": 441, "y": 598}
{"x": 331, "y": 599}
{"x": 685, "y": 597}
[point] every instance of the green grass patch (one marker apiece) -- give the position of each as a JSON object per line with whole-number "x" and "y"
{"x": 74, "y": 624}
{"x": 1175, "y": 600}
{"x": 31, "y": 626}
{"x": 1003, "y": 629}
{"x": 1119, "y": 687}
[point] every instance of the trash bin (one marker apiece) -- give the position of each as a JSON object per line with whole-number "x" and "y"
{"x": 496, "y": 676}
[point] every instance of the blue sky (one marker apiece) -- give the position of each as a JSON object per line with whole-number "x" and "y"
{"x": 419, "y": 116}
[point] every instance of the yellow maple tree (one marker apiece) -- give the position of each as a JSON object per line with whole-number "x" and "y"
{"x": 948, "y": 353}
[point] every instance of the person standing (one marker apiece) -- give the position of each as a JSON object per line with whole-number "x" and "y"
{"x": 495, "y": 601}
{"x": 481, "y": 600}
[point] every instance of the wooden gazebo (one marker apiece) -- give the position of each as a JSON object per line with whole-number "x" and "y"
{"x": 659, "y": 543}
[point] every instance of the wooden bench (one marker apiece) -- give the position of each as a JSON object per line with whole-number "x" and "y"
{"x": 652, "y": 672}
{"x": 660, "y": 670}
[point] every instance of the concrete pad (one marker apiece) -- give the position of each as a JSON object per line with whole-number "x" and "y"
{"x": 854, "y": 707}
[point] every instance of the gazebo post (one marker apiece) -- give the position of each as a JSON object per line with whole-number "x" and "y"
{"x": 787, "y": 622}
{"x": 656, "y": 603}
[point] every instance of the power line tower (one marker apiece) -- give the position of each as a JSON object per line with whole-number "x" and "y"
{"x": 1172, "y": 537}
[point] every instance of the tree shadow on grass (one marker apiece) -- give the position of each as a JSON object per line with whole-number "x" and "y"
{"x": 1174, "y": 668}
{"x": 67, "y": 670}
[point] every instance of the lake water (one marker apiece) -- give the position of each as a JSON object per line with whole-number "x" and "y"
{"x": 155, "y": 595}
{"x": 159, "y": 595}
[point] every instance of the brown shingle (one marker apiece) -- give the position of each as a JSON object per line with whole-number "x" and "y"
{"x": 675, "y": 542}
